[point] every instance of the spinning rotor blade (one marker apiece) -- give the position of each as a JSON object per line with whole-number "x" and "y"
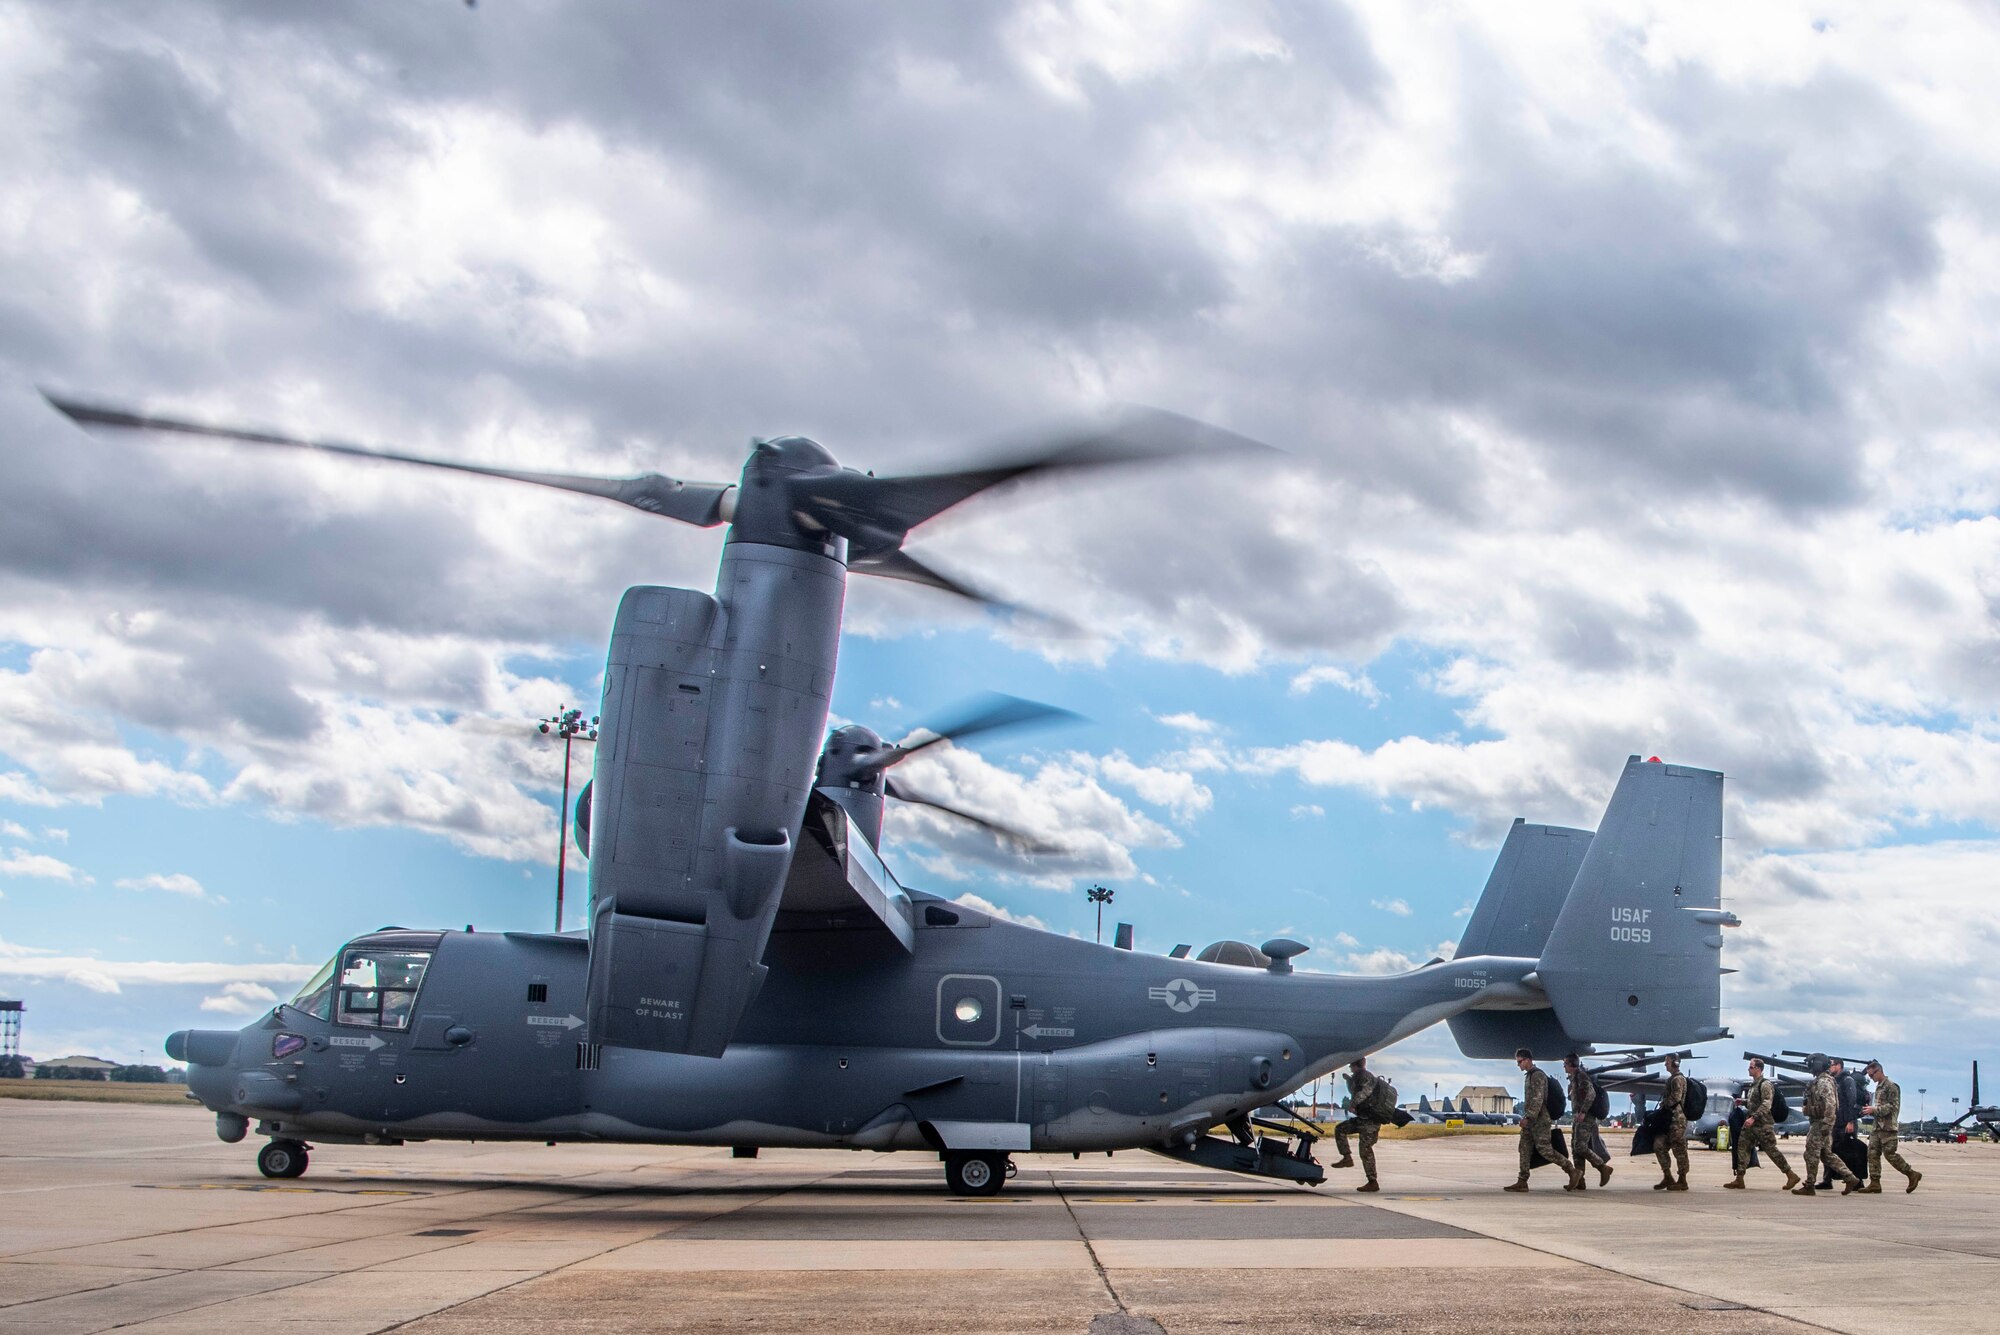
{"x": 1025, "y": 842}
{"x": 989, "y": 713}
{"x": 875, "y": 514}
{"x": 702, "y": 504}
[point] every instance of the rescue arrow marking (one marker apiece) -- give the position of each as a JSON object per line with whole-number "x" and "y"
{"x": 371, "y": 1043}
{"x": 564, "y": 1021}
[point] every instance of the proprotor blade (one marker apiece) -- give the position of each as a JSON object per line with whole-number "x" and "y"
{"x": 990, "y": 712}
{"x": 699, "y": 503}
{"x": 1025, "y": 842}
{"x": 1130, "y": 435}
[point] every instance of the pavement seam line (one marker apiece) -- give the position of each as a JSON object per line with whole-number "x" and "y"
{"x": 1089, "y": 1246}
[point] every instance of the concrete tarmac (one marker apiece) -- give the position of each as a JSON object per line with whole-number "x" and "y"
{"x": 136, "y": 1218}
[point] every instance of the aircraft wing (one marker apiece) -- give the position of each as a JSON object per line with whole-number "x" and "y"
{"x": 837, "y": 873}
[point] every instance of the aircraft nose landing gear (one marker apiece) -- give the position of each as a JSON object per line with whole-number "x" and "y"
{"x": 976, "y": 1174}
{"x": 282, "y": 1158}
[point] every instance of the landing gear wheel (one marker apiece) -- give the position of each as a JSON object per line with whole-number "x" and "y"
{"x": 969, "y": 1174}
{"x": 282, "y": 1158}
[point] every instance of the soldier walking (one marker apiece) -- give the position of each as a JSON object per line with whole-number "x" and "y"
{"x": 1361, "y": 1121}
{"x": 1760, "y": 1130}
{"x": 1822, "y": 1106}
{"x": 1537, "y": 1128}
{"x": 1888, "y": 1106}
{"x": 1670, "y": 1147}
{"x": 1583, "y": 1127}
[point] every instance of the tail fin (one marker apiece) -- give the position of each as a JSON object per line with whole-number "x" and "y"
{"x": 1514, "y": 916}
{"x": 1975, "y": 1082}
{"x": 1635, "y": 956}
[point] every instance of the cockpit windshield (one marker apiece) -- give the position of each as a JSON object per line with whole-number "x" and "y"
{"x": 378, "y": 985}
{"x": 373, "y": 986}
{"x": 316, "y": 997}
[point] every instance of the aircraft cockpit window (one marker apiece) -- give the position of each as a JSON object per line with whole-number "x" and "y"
{"x": 378, "y": 986}
{"x": 316, "y": 997}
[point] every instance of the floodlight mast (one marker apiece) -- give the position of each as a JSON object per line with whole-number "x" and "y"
{"x": 1099, "y": 896}
{"x": 567, "y": 724}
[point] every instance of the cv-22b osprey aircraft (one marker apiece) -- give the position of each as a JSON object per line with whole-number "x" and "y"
{"x": 754, "y": 975}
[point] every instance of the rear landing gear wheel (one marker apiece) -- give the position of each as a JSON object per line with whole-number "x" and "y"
{"x": 970, "y": 1174}
{"x": 282, "y": 1158}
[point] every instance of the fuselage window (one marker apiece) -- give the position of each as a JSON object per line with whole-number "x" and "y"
{"x": 378, "y": 986}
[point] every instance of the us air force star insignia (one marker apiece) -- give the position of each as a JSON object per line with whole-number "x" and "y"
{"x": 1181, "y": 995}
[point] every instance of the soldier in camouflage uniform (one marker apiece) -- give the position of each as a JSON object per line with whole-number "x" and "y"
{"x": 1822, "y": 1105}
{"x": 1888, "y": 1106}
{"x": 1670, "y": 1147}
{"x": 1536, "y": 1126}
{"x": 1760, "y": 1130}
{"x": 1361, "y": 1121}
{"x": 1582, "y": 1126}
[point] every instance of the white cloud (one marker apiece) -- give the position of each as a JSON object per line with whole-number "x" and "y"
{"x": 1399, "y": 907}
{"x": 1305, "y": 809}
{"x": 17, "y": 961}
{"x": 1177, "y": 790}
{"x": 241, "y": 999}
{"x": 987, "y": 906}
{"x": 1188, "y": 722}
{"x": 1326, "y": 675}
{"x": 20, "y": 862}
{"x": 55, "y": 834}
{"x": 173, "y": 883}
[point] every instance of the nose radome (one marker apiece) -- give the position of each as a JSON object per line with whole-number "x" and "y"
{"x": 202, "y": 1047}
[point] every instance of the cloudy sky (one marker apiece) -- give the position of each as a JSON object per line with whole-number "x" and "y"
{"x": 1633, "y": 368}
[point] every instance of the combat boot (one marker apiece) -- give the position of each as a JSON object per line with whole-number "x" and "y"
{"x": 1678, "y": 1184}
{"x": 1874, "y": 1187}
{"x": 1735, "y": 1184}
{"x": 1915, "y": 1177}
{"x": 1344, "y": 1161}
{"x": 1369, "y": 1185}
{"x": 1604, "y": 1175}
{"x": 1806, "y": 1190}
{"x": 1666, "y": 1181}
{"x": 1791, "y": 1181}
{"x": 1849, "y": 1187}
{"x": 1518, "y": 1186}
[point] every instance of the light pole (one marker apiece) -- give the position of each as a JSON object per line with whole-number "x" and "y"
{"x": 567, "y": 724}
{"x": 1920, "y": 1103}
{"x": 1099, "y": 896}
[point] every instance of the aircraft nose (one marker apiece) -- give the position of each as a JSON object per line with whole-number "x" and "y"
{"x": 202, "y": 1047}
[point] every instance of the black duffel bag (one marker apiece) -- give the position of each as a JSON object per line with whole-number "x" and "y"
{"x": 1537, "y": 1159}
{"x": 1651, "y": 1127}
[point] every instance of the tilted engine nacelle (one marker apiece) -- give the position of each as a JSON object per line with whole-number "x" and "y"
{"x": 711, "y": 719}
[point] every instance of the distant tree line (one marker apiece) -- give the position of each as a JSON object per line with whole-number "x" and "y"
{"x": 10, "y": 1068}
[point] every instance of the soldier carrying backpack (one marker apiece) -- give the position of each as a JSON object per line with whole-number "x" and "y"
{"x": 1371, "y": 1102}
{"x": 1587, "y": 1103}
{"x": 1670, "y": 1142}
{"x": 1537, "y": 1127}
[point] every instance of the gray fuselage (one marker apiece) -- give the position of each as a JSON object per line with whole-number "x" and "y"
{"x": 852, "y": 1041}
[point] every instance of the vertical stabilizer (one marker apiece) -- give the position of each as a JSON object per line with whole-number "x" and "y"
{"x": 1635, "y": 956}
{"x": 1518, "y": 909}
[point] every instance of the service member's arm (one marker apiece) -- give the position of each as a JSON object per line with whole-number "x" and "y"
{"x": 1888, "y": 1103}
{"x": 1535, "y": 1097}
